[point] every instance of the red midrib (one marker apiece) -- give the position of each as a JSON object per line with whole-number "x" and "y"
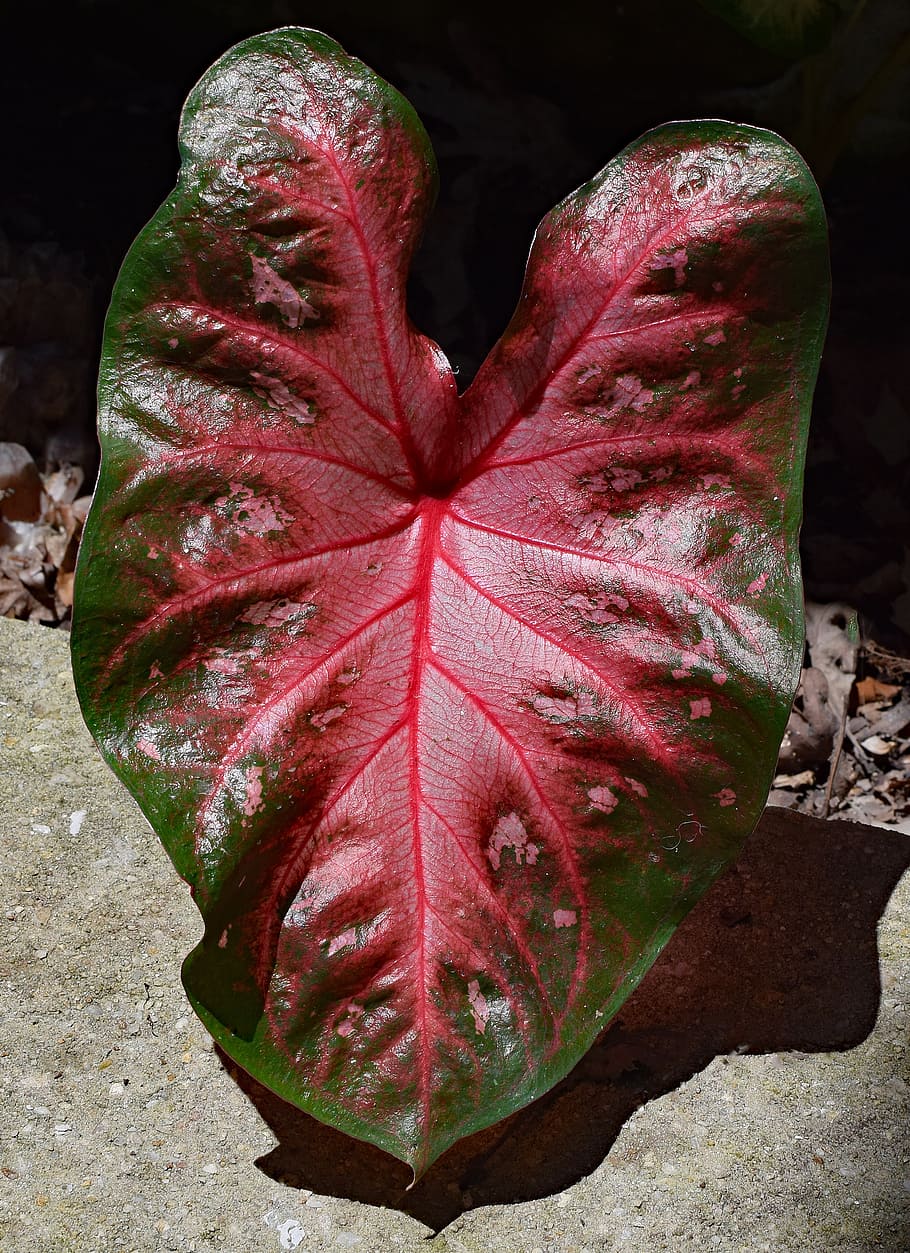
{"x": 431, "y": 520}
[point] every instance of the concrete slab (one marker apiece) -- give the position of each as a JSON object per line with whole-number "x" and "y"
{"x": 752, "y": 1095}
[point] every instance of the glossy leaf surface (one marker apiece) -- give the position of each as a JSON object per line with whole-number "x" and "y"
{"x": 448, "y": 708}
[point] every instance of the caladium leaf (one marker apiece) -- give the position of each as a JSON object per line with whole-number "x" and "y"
{"x": 448, "y": 708}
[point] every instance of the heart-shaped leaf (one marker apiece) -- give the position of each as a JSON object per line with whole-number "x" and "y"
{"x": 448, "y": 708}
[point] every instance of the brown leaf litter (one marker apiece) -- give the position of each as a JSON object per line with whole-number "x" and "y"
{"x": 41, "y": 521}
{"x": 846, "y": 750}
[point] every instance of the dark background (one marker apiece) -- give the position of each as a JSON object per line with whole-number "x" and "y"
{"x": 520, "y": 112}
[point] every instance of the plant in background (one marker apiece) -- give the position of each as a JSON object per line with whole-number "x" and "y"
{"x": 447, "y": 707}
{"x": 821, "y": 38}
{"x": 789, "y": 28}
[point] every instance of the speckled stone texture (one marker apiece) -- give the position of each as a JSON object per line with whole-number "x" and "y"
{"x": 752, "y": 1094}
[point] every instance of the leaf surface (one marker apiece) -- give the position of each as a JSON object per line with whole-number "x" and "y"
{"x": 447, "y": 707}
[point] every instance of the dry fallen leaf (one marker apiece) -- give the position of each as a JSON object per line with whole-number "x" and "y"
{"x": 41, "y": 521}
{"x": 870, "y": 689}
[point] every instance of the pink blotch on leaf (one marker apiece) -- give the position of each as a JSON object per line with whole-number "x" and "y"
{"x": 718, "y": 337}
{"x": 636, "y": 787}
{"x": 757, "y": 585}
{"x": 691, "y": 659}
{"x": 277, "y": 394}
{"x": 692, "y": 379}
{"x": 719, "y": 677}
{"x": 301, "y": 904}
{"x": 156, "y": 672}
{"x": 344, "y": 940}
{"x": 276, "y": 612}
{"x": 222, "y": 665}
{"x": 253, "y": 790}
{"x": 349, "y": 1022}
{"x": 700, "y": 708}
{"x": 270, "y": 288}
{"x": 510, "y": 832}
{"x": 603, "y": 799}
{"x": 630, "y": 391}
{"x": 565, "y": 917}
{"x": 625, "y": 480}
{"x": 675, "y": 261}
{"x": 598, "y": 606}
{"x": 322, "y": 719}
{"x": 259, "y": 514}
{"x": 479, "y": 1007}
{"x": 726, "y": 796}
{"x": 146, "y": 746}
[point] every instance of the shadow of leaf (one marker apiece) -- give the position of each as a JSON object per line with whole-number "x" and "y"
{"x": 780, "y": 955}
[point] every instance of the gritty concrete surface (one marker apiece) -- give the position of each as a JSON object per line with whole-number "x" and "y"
{"x": 752, "y": 1096}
